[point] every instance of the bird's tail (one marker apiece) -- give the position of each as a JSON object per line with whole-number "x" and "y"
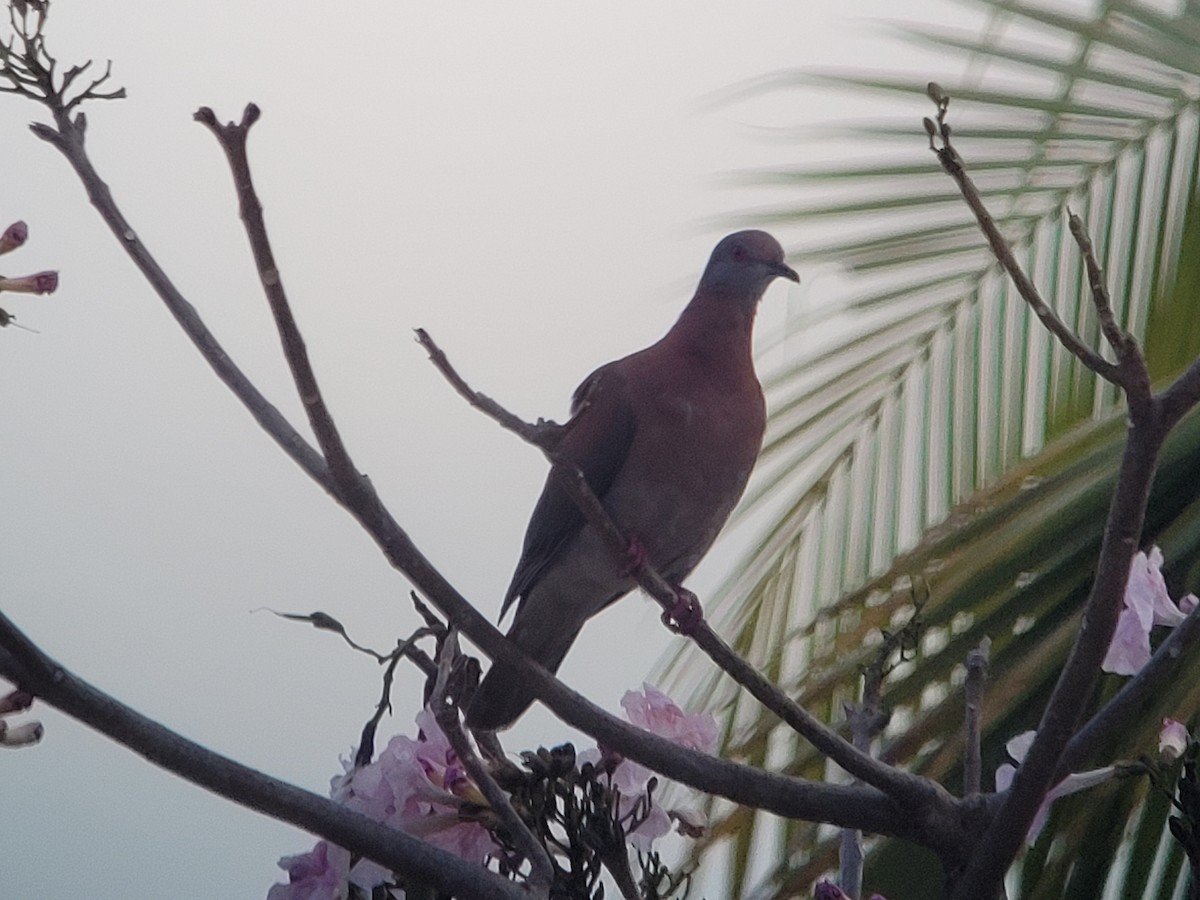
{"x": 504, "y": 693}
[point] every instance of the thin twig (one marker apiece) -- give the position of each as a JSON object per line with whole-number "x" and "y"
{"x": 406, "y": 649}
{"x": 952, "y": 163}
{"x": 232, "y": 138}
{"x": 867, "y": 719}
{"x": 904, "y": 786}
{"x": 30, "y": 69}
{"x": 545, "y": 434}
{"x": 1118, "y": 339}
{"x": 446, "y": 711}
{"x": 69, "y": 139}
{"x": 977, "y": 664}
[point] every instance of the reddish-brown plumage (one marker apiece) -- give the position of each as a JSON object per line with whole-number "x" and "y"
{"x": 666, "y": 438}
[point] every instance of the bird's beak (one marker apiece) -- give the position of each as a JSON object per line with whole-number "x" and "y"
{"x": 783, "y": 270}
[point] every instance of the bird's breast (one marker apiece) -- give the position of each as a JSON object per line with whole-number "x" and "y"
{"x": 694, "y": 448}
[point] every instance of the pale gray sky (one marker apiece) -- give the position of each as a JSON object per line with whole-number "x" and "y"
{"x": 535, "y": 183}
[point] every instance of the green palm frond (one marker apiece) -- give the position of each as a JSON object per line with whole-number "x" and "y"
{"x": 944, "y": 439}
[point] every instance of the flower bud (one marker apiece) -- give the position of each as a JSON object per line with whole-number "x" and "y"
{"x": 15, "y": 701}
{"x": 38, "y": 283}
{"x": 14, "y": 236}
{"x": 1172, "y": 740}
{"x": 20, "y": 735}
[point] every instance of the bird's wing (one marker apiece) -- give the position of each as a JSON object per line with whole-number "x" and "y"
{"x": 598, "y": 439}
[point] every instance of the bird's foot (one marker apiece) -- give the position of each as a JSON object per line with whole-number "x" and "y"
{"x": 685, "y": 614}
{"x": 636, "y": 558}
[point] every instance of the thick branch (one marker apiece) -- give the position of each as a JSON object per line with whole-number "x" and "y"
{"x": 1179, "y": 399}
{"x": 1034, "y": 778}
{"x": 25, "y": 665}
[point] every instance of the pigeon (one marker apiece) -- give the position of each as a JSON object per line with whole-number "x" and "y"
{"x": 666, "y": 439}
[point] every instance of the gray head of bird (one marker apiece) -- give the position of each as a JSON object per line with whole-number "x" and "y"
{"x": 744, "y": 263}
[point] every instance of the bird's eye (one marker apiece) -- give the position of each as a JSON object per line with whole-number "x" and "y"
{"x": 739, "y": 252}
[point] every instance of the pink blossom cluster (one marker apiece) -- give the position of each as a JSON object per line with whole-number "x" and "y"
{"x": 1173, "y": 739}
{"x": 1147, "y": 604}
{"x": 419, "y": 787}
{"x": 416, "y": 786}
{"x": 657, "y": 713}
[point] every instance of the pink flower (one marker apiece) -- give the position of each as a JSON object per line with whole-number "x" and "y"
{"x": 657, "y": 713}
{"x": 415, "y": 786}
{"x": 630, "y": 780}
{"x": 319, "y": 874}
{"x": 38, "y": 283}
{"x": 1017, "y": 748}
{"x": 1147, "y": 604}
{"x": 14, "y": 236}
{"x": 429, "y": 789}
{"x": 1173, "y": 740}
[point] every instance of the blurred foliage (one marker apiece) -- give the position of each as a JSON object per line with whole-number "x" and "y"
{"x": 943, "y": 439}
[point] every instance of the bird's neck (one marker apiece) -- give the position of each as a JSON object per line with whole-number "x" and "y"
{"x": 717, "y": 326}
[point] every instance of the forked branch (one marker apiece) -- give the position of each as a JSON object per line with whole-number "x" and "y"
{"x": 1150, "y": 418}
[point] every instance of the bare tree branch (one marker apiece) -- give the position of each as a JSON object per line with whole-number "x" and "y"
{"x": 232, "y": 138}
{"x": 977, "y": 663}
{"x": 1118, "y": 339}
{"x": 1147, "y": 429}
{"x": 952, "y": 163}
{"x": 1181, "y": 397}
{"x": 69, "y": 139}
{"x": 544, "y": 434}
{"x": 867, "y": 720}
{"x": 1135, "y": 695}
{"x": 27, "y": 666}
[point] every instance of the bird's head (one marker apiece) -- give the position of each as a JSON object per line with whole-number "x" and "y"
{"x": 744, "y": 263}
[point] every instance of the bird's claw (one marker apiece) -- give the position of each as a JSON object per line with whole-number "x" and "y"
{"x": 685, "y": 614}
